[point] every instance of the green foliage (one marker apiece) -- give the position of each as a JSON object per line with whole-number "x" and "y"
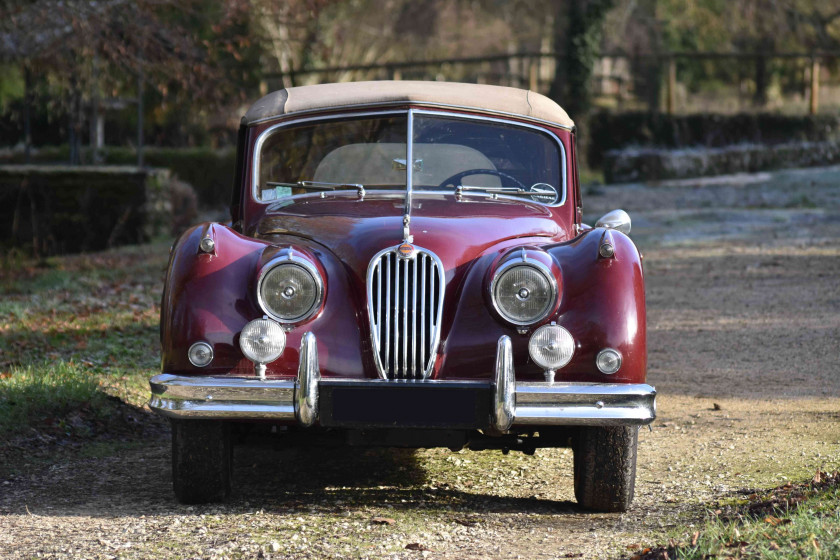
{"x": 11, "y": 86}
{"x": 584, "y": 32}
{"x": 208, "y": 171}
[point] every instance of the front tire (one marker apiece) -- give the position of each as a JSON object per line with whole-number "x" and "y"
{"x": 605, "y": 467}
{"x": 201, "y": 461}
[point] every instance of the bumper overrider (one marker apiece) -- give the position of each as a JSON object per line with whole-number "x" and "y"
{"x": 497, "y": 405}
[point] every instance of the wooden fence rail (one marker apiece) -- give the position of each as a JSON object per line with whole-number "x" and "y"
{"x": 535, "y": 70}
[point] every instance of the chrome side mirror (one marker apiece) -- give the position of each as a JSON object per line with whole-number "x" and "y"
{"x": 618, "y": 220}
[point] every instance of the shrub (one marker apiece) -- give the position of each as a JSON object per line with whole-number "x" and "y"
{"x": 208, "y": 171}
{"x": 610, "y": 131}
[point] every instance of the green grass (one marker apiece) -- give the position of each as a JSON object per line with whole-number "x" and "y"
{"x": 790, "y": 522}
{"x": 48, "y": 392}
{"x": 74, "y": 330}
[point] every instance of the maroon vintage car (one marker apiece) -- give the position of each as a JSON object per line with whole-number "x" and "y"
{"x": 406, "y": 266}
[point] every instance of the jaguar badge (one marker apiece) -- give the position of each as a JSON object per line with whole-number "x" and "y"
{"x": 406, "y": 250}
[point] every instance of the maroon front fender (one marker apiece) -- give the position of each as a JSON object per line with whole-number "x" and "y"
{"x": 206, "y": 296}
{"x": 602, "y": 304}
{"x": 211, "y": 296}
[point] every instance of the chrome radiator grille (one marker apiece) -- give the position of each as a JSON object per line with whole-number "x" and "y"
{"x": 405, "y": 303}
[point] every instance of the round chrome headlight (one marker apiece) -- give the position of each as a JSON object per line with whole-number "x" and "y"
{"x": 608, "y": 360}
{"x": 262, "y": 341}
{"x": 290, "y": 291}
{"x": 524, "y": 292}
{"x": 551, "y": 347}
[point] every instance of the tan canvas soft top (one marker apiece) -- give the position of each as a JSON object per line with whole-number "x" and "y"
{"x": 494, "y": 99}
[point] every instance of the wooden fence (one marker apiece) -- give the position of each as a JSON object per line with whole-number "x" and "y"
{"x": 657, "y": 82}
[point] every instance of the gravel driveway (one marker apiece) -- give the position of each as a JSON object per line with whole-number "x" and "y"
{"x": 744, "y": 323}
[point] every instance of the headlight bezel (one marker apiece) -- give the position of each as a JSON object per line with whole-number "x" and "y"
{"x": 290, "y": 259}
{"x": 524, "y": 259}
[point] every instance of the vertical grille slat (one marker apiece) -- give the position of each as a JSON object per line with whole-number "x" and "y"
{"x": 414, "y": 372}
{"x": 404, "y": 370}
{"x": 387, "y": 313}
{"x": 396, "y": 327}
{"x": 405, "y": 302}
{"x": 423, "y": 259}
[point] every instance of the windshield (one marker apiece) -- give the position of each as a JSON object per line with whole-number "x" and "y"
{"x": 457, "y": 154}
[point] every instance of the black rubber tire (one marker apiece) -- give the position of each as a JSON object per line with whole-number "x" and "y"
{"x": 202, "y": 457}
{"x": 605, "y": 467}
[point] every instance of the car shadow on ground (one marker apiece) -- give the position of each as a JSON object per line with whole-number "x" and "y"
{"x": 327, "y": 479}
{"x": 136, "y": 480}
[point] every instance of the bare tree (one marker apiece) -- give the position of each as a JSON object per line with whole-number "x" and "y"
{"x": 82, "y": 48}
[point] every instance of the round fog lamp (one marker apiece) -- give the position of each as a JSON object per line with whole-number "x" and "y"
{"x": 608, "y": 360}
{"x": 200, "y": 354}
{"x": 262, "y": 341}
{"x": 551, "y": 347}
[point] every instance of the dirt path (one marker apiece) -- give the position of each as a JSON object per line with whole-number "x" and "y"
{"x": 744, "y": 321}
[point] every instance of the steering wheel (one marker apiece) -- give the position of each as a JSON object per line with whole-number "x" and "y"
{"x": 456, "y": 179}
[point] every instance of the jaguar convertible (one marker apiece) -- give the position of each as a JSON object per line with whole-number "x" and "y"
{"x": 406, "y": 266}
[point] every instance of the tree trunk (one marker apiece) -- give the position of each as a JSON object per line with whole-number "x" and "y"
{"x": 577, "y": 38}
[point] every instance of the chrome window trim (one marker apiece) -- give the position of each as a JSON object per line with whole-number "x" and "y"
{"x": 410, "y": 113}
{"x": 291, "y": 258}
{"x": 268, "y": 132}
{"x": 405, "y": 103}
{"x": 544, "y": 270}
{"x": 409, "y": 175}
{"x": 563, "y": 177}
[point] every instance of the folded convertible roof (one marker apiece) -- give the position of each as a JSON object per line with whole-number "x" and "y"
{"x": 479, "y": 97}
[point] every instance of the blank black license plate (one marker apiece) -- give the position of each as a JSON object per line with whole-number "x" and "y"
{"x": 376, "y": 405}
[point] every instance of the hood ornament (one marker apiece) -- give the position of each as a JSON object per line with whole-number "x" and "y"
{"x": 406, "y": 233}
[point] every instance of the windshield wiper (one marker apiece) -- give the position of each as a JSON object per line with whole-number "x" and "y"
{"x": 546, "y": 194}
{"x": 320, "y": 186}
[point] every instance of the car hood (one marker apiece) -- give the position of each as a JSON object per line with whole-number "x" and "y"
{"x": 355, "y": 229}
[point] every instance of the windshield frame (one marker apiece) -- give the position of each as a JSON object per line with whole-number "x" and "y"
{"x": 410, "y": 113}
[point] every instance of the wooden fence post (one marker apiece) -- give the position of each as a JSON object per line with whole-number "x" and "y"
{"x": 534, "y": 74}
{"x": 27, "y": 108}
{"x": 140, "y": 112}
{"x": 672, "y": 85}
{"x": 815, "y": 86}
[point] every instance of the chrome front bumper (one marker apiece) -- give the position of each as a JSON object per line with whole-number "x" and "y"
{"x": 509, "y": 403}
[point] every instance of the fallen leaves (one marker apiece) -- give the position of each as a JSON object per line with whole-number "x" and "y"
{"x": 383, "y": 521}
{"x": 417, "y": 546}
